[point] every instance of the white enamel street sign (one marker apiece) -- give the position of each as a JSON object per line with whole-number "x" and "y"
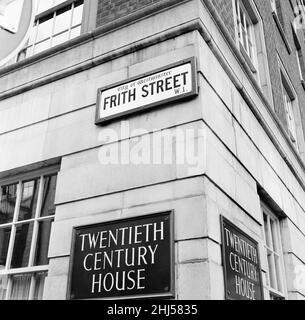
{"x": 16, "y": 21}
{"x": 10, "y": 14}
{"x": 165, "y": 85}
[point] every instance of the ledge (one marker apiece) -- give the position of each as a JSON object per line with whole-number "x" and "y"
{"x": 282, "y": 32}
{"x": 96, "y": 33}
{"x": 232, "y": 44}
{"x": 246, "y": 57}
{"x": 167, "y": 34}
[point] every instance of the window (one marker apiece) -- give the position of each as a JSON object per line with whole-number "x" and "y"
{"x": 26, "y": 215}
{"x": 245, "y": 31}
{"x": 273, "y": 247}
{"x": 277, "y": 10}
{"x": 301, "y": 65}
{"x": 250, "y": 41}
{"x": 279, "y": 21}
{"x": 288, "y": 104}
{"x": 56, "y": 22}
{"x": 274, "y": 5}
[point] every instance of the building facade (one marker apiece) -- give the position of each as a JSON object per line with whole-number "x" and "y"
{"x": 224, "y": 159}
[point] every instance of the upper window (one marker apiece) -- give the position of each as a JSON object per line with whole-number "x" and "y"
{"x": 250, "y": 40}
{"x": 26, "y": 215}
{"x": 288, "y": 104}
{"x": 56, "y": 22}
{"x": 274, "y": 5}
{"x": 277, "y": 10}
{"x": 301, "y": 65}
{"x": 245, "y": 31}
{"x": 291, "y": 106}
{"x": 273, "y": 247}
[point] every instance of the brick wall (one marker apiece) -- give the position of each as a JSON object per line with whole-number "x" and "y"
{"x": 274, "y": 45}
{"x": 109, "y": 10}
{"x": 225, "y": 10}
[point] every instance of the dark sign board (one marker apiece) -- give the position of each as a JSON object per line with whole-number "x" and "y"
{"x": 171, "y": 83}
{"x": 242, "y": 271}
{"x": 124, "y": 259}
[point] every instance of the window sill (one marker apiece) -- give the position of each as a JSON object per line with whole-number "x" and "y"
{"x": 248, "y": 60}
{"x": 282, "y": 32}
{"x": 296, "y": 38}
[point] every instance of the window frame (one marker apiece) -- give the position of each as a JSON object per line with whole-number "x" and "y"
{"x": 52, "y": 14}
{"x": 237, "y": 6}
{"x": 276, "y": 250}
{"x": 273, "y": 6}
{"x": 291, "y": 109}
{"x": 30, "y": 270}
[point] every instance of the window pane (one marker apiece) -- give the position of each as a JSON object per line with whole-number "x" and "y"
{"x": 39, "y": 285}
{"x": 44, "y": 29}
{"x": 60, "y": 38}
{"x": 278, "y": 273}
{"x": 42, "y": 46}
{"x": 42, "y": 247}
{"x": 48, "y": 200}
{"x": 21, "y": 287}
{"x": 244, "y": 40}
{"x": 272, "y": 276}
{"x": 77, "y": 15}
{"x": 274, "y": 235}
{"x": 3, "y": 287}
{"x": 4, "y": 242}
{"x": 8, "y": 195}
{"x": 267, "y": 233}
{"x": 22, "y": 246}
{"x": 29, "y": 200}
{"x": 75, "y": 32}
{"x": 62, "y": 20}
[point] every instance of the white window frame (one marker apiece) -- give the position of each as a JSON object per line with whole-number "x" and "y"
{"x": 238, "y": 6}
{"x": 259, "y": 66}
{"x": 291, "y": 105}
{"x": 52, "y": 11}
{"x": 276, "y": 251}
{"x": 299, "y": 66}
{"x": 288, "y": 104}
{"x": 273, "y": 6}
{"x": 30, "y": 269}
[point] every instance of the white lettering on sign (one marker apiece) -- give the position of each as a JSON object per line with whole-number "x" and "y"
{"x": 151, "y": 90}
{"x": 115, "y": 259}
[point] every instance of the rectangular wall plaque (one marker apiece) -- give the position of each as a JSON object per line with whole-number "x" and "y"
{"x": 242, "y": 270}
{"x": 168, "y": 84}
{"x": 131, "y": 258}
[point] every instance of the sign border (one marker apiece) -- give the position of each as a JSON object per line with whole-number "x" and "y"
{"x": 225, "y": 220}
{"x": 194, "y": 92}
{"x": 172, "y": 291}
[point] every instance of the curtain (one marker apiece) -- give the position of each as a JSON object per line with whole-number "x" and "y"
{"x": 3, "y": 287}
{"x": 21, "y": 287}
{"x": 39, "y": 285}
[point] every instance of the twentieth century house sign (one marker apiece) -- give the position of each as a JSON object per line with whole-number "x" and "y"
{"x": 171, "y": 83}
{"x": 241, "y": 262}
{"x": 128, "y": 258}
